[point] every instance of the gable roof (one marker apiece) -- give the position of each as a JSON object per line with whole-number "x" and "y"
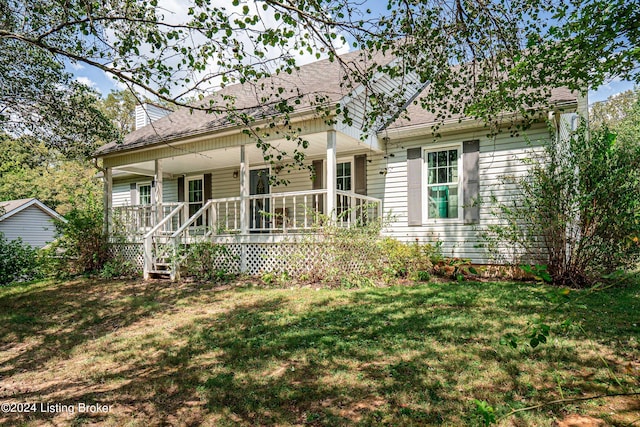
{"x": 418, "y": 116}
{"x": 12, "y": 207}
{"x": 311, "y": 84}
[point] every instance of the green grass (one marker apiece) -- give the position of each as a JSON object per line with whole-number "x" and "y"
{"x": 189, "y": 354}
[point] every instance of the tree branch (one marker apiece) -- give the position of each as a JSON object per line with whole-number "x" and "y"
{"x": 575, "y": 399}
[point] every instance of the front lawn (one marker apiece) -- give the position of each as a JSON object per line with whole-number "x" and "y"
{"x": 188, "y": 354}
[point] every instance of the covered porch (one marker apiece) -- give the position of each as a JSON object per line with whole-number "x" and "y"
{"x": 225, "y": 195}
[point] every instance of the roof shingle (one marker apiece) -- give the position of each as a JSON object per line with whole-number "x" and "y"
{"x": 316, "y": 81}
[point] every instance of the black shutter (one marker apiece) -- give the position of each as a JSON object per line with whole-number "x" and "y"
{"x": 319, "y": 174}
{"x": 360, "y": 177}
{"x": 318, "y": 167}
{"x": 208, "y": 188}
{"x": 181, "y": 189}
{"x": 471, "y": 181}
{"x": 414, "y": 186}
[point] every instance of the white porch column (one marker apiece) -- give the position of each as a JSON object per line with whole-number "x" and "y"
{"x": 244, "y": 205}
{"x": 107, "y": 199}
{"x": 244, "y": 191}
{"x": 331, "y": 174}
{"x": 157, "y": 193}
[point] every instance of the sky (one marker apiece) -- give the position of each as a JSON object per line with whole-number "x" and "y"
{"x": 104, "y": 83}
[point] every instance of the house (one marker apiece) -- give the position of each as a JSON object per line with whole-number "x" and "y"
{"x": 192, "y": 175}
{"x": 29, "y": 220}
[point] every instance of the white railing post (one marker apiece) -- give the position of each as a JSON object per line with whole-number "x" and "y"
{"x": 148, "y": 256}
{"x": 175, "y": 267}
{"x": 108, "y": 200}
{"x": 331, "y": 175}
{"x": 148, "y": 239}
{"x": 157, "y": 192}
{"x": 244, "y": 191}
{"x": 213, "y": 219}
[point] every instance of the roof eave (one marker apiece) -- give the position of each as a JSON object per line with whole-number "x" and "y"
{"x": 421, "y": 129}
{"x": 216, "y": 133}
{"x": 39, "y": 205}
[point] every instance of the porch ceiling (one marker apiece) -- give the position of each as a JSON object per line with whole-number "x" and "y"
{"x": 190, "y": 162}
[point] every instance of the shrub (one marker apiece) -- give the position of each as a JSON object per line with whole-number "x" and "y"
{"x": 411, "y": 260}
{"x": 81, "y": 246}
{"x": 18, "y": 261}
{"x": 335, "y": 255}
{"x": 118, "y": 267}
{"x": 578, "y": 212}
{"x": 200, "y": 258}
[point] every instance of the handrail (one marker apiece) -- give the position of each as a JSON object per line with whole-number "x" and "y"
{"x": 292, "y": 193}
{"x": 164, "y": 220}
{"x": 226, "y": 199}
{"x": 149, "y": 206}
{"x": 193, "y": 218}
{"x": 358, "y": 196}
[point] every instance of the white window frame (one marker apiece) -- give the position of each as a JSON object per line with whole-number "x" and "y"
{"x": 143, "y": 184}
{"x": 349, "y": 160}
{"x": 188, "y": 179}
{"x": 425, "y": 182}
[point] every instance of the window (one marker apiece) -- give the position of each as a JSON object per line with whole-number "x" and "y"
{"x": 443, "y": 182}
{"x": 144, "y": 194}
{"x": 343, "y": 182}
{"x": 343, "y": 178}
{"x": 195, "y": 195}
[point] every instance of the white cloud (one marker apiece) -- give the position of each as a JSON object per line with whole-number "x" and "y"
{"x": 76, "y": 66}
{"x": 87, "y": 82}
{"x": 117, "y": 83}
{"x": 611, "y": 88}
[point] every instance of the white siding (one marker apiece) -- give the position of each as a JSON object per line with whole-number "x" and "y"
{"x": 170, "y": 190}
{"x": 121, "y": 195}
{"x": 387, "y": 180}
{"x": 122, "y": 190}
{"x": 223, "y": 184}
{"x": 147, "y": 113}
{"x": 299, "y": 180}
{"x": 31, "y": 224}
{"x": 499, "y": 157}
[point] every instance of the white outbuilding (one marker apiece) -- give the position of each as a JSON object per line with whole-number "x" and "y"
{"x": 28, "y": 219}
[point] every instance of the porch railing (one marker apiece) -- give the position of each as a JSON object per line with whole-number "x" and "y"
{"x": 137, "y": 220}
{"x": 294, "y": 211}
{"x": 356, "y": 209}
{"x": 287, "y": 212}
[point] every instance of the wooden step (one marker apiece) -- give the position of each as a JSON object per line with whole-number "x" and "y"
{"x": 160, "y": 273}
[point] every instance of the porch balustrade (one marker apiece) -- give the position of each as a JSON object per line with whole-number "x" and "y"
{"x": 136, "y": 220}
{"x": 288, "y": 212}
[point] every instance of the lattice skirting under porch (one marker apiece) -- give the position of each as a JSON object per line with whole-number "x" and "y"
{"x": 294, "y": 258}
{"x": 133, "y": 252}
